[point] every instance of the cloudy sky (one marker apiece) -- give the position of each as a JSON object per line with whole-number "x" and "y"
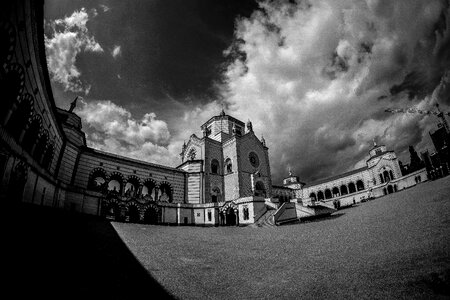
{"x": 314, "y": 77}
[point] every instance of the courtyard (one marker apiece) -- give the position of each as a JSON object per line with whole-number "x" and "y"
{"x": 393, "y": 247}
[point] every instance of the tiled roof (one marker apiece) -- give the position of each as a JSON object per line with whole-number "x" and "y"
{"x": 320, "y": 181}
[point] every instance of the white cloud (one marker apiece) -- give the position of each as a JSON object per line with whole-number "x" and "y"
{"x": 112, "y": 128}
{"x": 116, "y": 51}
{"x": 313, "y": 72}
{"x": 69, "y": 37}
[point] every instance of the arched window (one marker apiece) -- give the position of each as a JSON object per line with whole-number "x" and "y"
{"x": 386, "y": 176}
{"x": 20, "y": 117}
{"x": 381, "y": 178}
{"x": 215, "y": 195}
{"x": 41, "y": 146}
{"x": 228, "y": 166}
{"x": 115, "y": 183}
{"x": 260, "y": 189}
{"x": 97, "y": 180}
{"x": 351, "y": 188}
{"x": 335, "y": 192}
{"x": 31, "y": 135}
{"x": 149, "y": 190}
{"x": 165, "y": 192}
{"x": 391, "y": 174}
{"x": 214, "y": 166}
{"x": 48, "y": 156}
{"x": 328, "y": 194}
{"x": 132, "y": 186}
{"x": 312, "y": 196}
{"x": 320, "y": 196}
{"x": 360, "y": 185}
{"x": 344, "y": 190}
{"x": 11, "y": 85}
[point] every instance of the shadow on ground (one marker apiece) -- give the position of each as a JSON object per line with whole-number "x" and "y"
{"x": 58, "y": 254}
{"x": 322, "y": 218}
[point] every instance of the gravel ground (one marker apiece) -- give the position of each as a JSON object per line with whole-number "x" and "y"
{"x": 394, "y": 247}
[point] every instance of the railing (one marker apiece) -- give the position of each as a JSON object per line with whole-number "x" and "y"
{"x": 277, "y": 216}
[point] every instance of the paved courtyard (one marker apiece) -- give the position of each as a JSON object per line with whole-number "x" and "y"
{"x": 391, "y": 247}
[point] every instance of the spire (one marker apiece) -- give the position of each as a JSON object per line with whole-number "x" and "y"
{"x": 263, "y": 141}
{"x": 222, "y": 113}
{"x": 374, "y": 142}
{"x": 73, "y": 105}
{"x": 290, "y": 171}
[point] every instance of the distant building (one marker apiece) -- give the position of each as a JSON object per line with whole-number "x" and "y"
{"x": 380, "y": 176}
{"x": 441, "y": 140}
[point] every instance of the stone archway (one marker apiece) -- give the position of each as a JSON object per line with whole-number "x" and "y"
{"x": 151, "y": 215}
{"x": 231, "y": 217}
{"x": 133, "y": 214}
{"x": 229, "y": 214}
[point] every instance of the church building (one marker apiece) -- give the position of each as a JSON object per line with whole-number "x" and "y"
{"x": 223, "y": 178}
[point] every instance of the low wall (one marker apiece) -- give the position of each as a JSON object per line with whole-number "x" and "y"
{"x": 287, "y": 212}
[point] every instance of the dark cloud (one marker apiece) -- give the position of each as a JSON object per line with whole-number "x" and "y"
{"x": 351, "y": 61}
{"x": 314, "y": 77}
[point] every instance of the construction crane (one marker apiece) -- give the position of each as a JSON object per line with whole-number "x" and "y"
{"x": 440, "y": 114}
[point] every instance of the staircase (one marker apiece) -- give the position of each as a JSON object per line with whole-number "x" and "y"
{"x": 266, "y": 220}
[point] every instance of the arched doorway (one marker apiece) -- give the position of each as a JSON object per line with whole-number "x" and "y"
{"x": 151, "y": 215}
{"x": 312, "y": 196}
{"x": 118, "y": 214}
{"x": 328, "y": 194}
{"x": 133, "y": 214}
{"x": 231, "y": 217}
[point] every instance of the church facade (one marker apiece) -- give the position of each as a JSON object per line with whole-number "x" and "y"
{"x": 224, "y": 177}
